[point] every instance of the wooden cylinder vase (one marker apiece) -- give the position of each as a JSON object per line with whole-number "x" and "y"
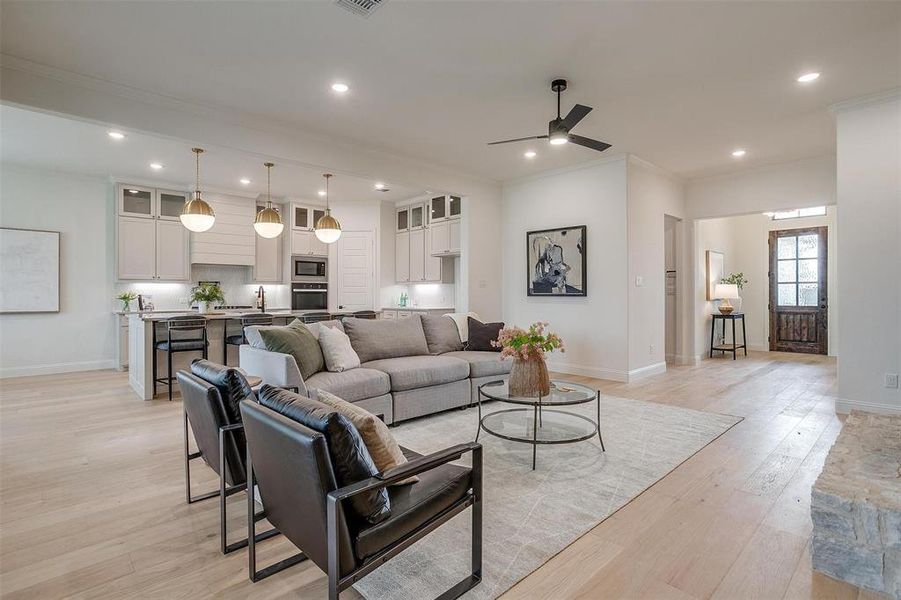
{"x": 529, "y": 378}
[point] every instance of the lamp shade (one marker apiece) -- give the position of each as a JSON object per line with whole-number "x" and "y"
{"x": 328, "y": 230}
{"x": 197, "y": 215}
{"x": 725, "y": 291}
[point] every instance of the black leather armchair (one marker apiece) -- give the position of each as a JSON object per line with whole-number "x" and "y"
{"x": 211, "y": 393}
{"x": 295, "y": 474}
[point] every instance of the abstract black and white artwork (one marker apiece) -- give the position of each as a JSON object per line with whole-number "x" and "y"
{"x": 556, "y": 262}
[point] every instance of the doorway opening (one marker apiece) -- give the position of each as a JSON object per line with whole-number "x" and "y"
{"x": 798, "y": 290}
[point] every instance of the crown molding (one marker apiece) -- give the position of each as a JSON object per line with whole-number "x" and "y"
{"x": 868, "y": 100}
{"x": 567, "y": 169}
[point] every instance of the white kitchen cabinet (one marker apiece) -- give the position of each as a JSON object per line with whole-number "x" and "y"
{"x": 318, "y": 247}
{"x": 404, "y": 314}
{"x": 402, "y": 222}
{"x": 136, "y": 201}
{"x": 402, "y": 257}
{"x": 169, "y": 204}
{"x": 305, "y": 216}
{"x": 454, "y": 207}
{"x": 445, "y": 239}
{"x": 389, "y": 314}
{"x": 453, "y": 234}
{"x": 172, "y": 251}
{"x": 432, "y": 263}
{"x": 267, "y": 266}
{"x": 417, "y": 216}
{"x": 136, "y": 255}
{"x": 306, "y": 243}
{"x": 417, "y": 255}
{"x": 445, "y": 208}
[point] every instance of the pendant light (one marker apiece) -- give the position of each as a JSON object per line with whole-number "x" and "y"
{"x": 328, "y": 229}
{"x": 197, "y": 215}
{"x": 268, "y": 222}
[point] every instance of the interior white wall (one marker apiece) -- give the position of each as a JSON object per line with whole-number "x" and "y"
{"x": 869, "y": 234}
{"x": 669, "y": 263}
{"x": 82, "y": 335}
{"x": 594, "y": 328}
{"x": 652, "y": 194}
{"x": 716, "y": 235}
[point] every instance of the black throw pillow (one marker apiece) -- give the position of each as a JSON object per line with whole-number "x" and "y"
{"x": 482, "y": 334}
{"x": 350, "y": 457}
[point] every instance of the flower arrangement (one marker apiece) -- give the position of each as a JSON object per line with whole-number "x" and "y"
{"x": 126, "y": 298}
{"x": 526, "y": 344}
{"x": 737, "y": 278}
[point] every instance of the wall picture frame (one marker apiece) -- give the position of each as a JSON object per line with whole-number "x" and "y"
{"x": 716, "y": 269}
{"x": 556, "y": 262}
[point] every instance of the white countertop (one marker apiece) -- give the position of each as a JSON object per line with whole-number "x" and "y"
{"x": 419, "y": 308}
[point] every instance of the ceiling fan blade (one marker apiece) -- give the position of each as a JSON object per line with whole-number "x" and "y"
{"x": 576, "y": 114}
{"x": 588, "y": 142}
{"x": 522, "y": 139}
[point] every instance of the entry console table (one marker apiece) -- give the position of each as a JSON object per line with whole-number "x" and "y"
{"x": 734, "y": 346}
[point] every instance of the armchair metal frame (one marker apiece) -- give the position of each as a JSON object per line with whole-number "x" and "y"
{"x": 337, "y": 584}
{"x": 224, "y": 490}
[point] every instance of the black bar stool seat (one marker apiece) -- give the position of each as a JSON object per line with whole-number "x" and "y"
{"x": 186, "y": 333}
{"x": 239, "y": 339}
{"x": 181, "y": 345}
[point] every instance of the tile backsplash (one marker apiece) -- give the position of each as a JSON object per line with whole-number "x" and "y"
{"x": 236, "y": 281}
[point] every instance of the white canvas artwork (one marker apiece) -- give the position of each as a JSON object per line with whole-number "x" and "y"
{"x": 29, "y": 271}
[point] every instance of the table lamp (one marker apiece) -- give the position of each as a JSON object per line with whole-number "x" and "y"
{"x": 726, "y": 292}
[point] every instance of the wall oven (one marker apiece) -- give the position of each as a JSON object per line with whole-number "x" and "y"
{"x": 309, "y": 268}
{"x": 309, "y": 296}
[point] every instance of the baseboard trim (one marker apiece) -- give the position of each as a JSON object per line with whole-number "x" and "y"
{"x": 587, "y": 371}
{"x": 844, "y": 406}
{"x": 688, "y": 361}
{"x": 52, "y": 369}
{"x": 648, "y": 371}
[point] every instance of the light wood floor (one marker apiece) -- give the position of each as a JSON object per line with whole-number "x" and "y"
{"x": 92, "y": 499}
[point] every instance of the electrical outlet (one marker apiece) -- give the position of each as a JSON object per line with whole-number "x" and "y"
{"x": 639, "y": 281}
{"x": 651, "y": 349}
{"x": 891, "y": 380}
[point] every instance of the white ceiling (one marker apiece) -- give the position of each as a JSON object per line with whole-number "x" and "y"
{"x": 678, "y": 83}
{"x": 48, "y": 141}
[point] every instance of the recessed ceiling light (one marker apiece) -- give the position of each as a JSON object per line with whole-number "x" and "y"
{"x": 739, "y": 153}
{"x": 116, "y": 135}
{"x": 244, "y": 181}
{"x": 340, "y": 87}
{"x": 321, "y": 192}
{"x": 379, "y": 186}
{"x": 530, "y": 154}
{"x": 156, "y": 166}
{"x": 808, "y": 77}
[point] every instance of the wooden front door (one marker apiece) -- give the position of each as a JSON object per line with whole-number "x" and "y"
{"x": 798, "y": 298}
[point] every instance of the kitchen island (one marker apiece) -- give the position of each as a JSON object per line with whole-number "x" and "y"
{"x": 140, "y": 343}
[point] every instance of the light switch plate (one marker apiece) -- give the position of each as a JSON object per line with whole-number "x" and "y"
{"x": 891, "y": 380}
{"x": 639, "y": 281}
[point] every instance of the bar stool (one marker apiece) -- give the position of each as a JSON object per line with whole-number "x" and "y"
{"x": 239, "y": 339}
{"x": 365, "y": 314}
{"x": 181, "y": 336}
{"x": 316, "y": 317}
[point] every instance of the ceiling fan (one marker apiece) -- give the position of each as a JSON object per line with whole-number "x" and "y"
{"x": 558, "y": 130}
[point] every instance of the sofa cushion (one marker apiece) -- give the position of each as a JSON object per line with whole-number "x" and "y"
{"x": 336, "y": 349}
{"x": 481, "y": 335}
{"x": 350, "y": 457}
{"x": 441, "y": 334}
{"x": 378, "y": 339}
{"x": 483, "y": 364}
{"x": 297, "y": 341}
{"x": 413, "y": 505}
{"x": 352, "y": 385}
{"x": 332, "y": 324}
{"x": 412, "y": 372}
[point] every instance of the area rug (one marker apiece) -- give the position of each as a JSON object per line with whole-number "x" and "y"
{"x": 529, "y": 516}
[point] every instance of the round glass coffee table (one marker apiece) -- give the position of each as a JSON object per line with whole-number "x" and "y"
{"x": 542, "y": 420}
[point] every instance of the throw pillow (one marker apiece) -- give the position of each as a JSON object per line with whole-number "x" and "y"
{"x": 375, "y": 339}
{"x": 441, "y": 334}
{"x": 482, "y": 334}
{"x": 382, "y": 446}
{"x": 299, "y": 343}
{"x": 350, "y": 458}
{"x": 339, "y": 355}
{"x": 315, "y": 327}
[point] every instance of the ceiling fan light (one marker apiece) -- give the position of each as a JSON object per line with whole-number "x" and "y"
{"x": 558, "y": 139}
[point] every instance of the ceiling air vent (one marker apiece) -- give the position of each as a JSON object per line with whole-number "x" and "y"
{"x": 363, "y": 8}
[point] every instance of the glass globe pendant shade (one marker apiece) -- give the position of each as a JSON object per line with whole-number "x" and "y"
{"x": 268, "y": 223}
{"x": 328, "y": 230}
{"x": 197, "y": 215}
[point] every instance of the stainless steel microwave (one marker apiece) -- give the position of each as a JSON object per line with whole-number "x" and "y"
{"x": 309, "y": 268}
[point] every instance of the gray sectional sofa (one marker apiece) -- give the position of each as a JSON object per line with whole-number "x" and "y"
{"x": 409, "y": 368}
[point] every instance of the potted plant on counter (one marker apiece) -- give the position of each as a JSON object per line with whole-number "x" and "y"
{"x": 126, "y": 298}
{"x": 528, "y": 377}
{"x": 206, "y": 295}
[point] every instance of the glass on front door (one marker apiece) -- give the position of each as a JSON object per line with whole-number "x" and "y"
{"x": 798, "y": 273}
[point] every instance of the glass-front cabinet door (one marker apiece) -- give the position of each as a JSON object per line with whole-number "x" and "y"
{"x": 417, "y": 216}
{"x": 135, "y": 201}
{"x": 403, "y": 218}
{"x": 438, "y": 209}
{"x": 318, "y": 213}
{"x": 454, "y": 207}
{"x": 171, "y": 204}
{"x": 300, "y": 218}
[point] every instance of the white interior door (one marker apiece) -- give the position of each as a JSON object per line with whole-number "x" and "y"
{"x": 354, "y": 270}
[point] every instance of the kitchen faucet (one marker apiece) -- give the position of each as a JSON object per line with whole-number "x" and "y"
{"x": 261, "y": 299}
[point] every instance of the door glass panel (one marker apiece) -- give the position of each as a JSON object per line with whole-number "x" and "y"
{"x": 301, "y": 217}
{"x": 786, "y": 247}
{"x": 171, "y": 205}
{"x": 138, "y": 202}
{"x": 787, "y": 271}
{"x": 438, "y": 208}
{"x": 807, "y": 270}
{"x": 401, "y": 220}
{"x": 808, "y": 246}
{"x": 454, "y": 206}
{"x": 416, "y": 216}
{"x": 807, "y": 294}
{"x": 787, "y": 294}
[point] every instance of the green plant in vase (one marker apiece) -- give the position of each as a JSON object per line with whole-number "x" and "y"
{"x": 739, "y": 281}
{"x": 126, "y": 298}
{"x": 205, "y": 295}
